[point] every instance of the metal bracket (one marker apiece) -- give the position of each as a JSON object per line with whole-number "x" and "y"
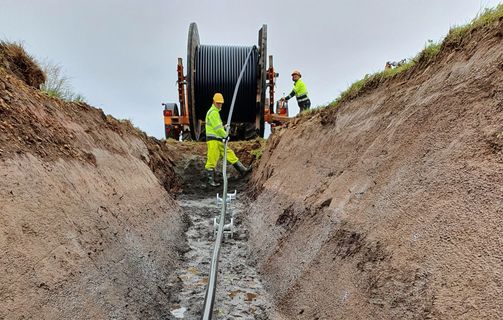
{"x": 229, "y": 227}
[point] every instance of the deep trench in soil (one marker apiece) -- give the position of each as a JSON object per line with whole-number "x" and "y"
{"x": 239, "y": 293}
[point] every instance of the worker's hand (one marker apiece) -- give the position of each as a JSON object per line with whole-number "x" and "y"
{"x": 224, "y": 140}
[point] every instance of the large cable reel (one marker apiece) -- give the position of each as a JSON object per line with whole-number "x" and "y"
{"x": 215, "y": 68}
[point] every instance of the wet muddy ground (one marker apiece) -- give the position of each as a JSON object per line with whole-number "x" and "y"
{"x": 240, "y": 294}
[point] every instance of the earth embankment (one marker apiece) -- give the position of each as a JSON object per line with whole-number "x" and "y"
{"x": 89, "y": 228}
{"x": 389, "y": 206}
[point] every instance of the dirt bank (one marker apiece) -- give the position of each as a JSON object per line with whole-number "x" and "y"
{"x": 390, "y": 206}
{"x": 88, "y": 226}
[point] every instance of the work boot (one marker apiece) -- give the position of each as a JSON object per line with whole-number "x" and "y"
{"x": 211, "y": 178}
{"x": 241, "y": 168}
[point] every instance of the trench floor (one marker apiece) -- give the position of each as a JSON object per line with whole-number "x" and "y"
{"x": 240, "y": 294}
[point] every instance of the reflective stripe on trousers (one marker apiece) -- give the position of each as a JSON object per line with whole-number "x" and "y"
{"x": 303, "y": 100}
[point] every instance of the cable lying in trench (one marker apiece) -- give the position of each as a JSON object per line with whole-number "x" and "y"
{"x": 209, "y": 298}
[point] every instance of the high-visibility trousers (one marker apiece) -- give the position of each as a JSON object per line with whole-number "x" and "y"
{"x": 215, "y": 151}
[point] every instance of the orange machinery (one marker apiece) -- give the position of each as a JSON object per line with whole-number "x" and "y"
{"x": 177, "y": 124}
{"x": 184, "y": 124}
{"x": 174, "y": 122}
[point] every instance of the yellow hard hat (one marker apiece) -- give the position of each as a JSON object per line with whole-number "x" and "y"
{"x": 218, "y": 98}
{"x": 297, "y": 72}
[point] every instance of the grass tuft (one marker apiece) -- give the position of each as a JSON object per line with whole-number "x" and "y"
{"x": 488, "y": 16}
{"x": 58, "y": 85}
{"x": 257, "y": 153}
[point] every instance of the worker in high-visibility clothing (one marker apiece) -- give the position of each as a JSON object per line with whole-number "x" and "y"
{"x": 299, "y": 91}
{"x": 215, "y": 133}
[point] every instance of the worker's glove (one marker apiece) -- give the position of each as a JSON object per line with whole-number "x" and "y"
{"x": 224, "y": 140}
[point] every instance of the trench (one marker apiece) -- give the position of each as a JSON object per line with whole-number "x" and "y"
{"x": 240, "y": 293}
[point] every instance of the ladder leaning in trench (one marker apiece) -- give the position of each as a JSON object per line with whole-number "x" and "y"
{"x": 209, "y": 298}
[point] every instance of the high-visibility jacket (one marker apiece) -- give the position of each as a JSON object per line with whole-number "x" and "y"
{"x": 299, "y": 91}
{"x": 214, "y": 127}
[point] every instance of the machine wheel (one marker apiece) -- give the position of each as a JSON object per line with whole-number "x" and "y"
{"x": 186, "y": 136}
{"x": 172, "y": 132}
{"x": 250, "y": 131}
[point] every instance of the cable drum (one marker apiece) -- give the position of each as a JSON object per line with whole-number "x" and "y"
{"x": 217, "y": 70}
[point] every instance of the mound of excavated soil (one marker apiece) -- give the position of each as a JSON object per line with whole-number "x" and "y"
{"x": 88, "y": 227}
{"x": 14, "y": 59}
{"x": 391, "y": 206}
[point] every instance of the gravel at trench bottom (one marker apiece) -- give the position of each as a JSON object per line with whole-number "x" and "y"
{"x": 240, "y": 294}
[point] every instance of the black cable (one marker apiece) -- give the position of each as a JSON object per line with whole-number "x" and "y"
{"x": 217, "y": 69}
{"x": 209, "y": 298}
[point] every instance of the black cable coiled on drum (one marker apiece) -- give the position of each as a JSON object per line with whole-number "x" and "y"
{"x": 217, "y": 70}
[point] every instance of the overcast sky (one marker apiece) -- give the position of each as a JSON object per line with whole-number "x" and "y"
{"x": 121, "y": 55}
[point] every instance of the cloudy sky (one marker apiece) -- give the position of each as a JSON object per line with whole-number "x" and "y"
{"x": 121, "y": 54}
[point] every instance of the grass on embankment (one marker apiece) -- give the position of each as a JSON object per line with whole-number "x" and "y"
{"x": 432, "y": 49}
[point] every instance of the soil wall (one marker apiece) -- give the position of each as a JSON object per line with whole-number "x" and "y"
{"x": 391, "y": 205}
